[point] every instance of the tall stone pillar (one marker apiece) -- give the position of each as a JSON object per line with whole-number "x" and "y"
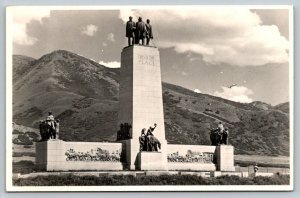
{"x": 141, "y": 103}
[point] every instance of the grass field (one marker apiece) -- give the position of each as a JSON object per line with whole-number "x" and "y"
{"x": 71, "y": 180}
{"x": 263, "y": 159}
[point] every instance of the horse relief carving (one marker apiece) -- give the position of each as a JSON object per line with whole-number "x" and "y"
{"x": 98, "y": 155}
{"x": 191, "y": 157}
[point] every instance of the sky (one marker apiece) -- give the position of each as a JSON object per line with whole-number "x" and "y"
{"x": 202, "y": 49}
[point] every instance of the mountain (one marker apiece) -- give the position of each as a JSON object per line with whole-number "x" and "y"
{"x": 261, "y": 105}
{"x": 21, "y": 65}
{"x": 82, "y": 93}
{"x": 284, "y": 107}
{"x": 84, "y": 96}
{"x": 190, "y": 115}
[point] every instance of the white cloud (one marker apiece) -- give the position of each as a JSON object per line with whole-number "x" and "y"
{"x": 113, "y": 64}
{"x": 234, "y": 36}
{"x": 111, "y": 37}
{"x": 236, "y": 93}
{"x": 89, "y": 30}
{"x": 197, "y": 91}
{"x": 104, "y": 44}
{"x": 21, "y": 17}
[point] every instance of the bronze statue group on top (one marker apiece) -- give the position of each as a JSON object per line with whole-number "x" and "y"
{"x": 137, "y": 31}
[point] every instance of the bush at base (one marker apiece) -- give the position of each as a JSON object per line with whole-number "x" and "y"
{"x": 70, "y": 179}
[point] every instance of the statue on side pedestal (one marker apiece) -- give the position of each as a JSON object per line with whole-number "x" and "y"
{"x": 218, "y": 137}
{"x": 148, "y": 142}
{"x": 49, "y": 128}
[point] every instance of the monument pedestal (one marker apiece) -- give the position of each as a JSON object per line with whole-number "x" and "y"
{"x": 58, "y": 155}
{"x": 151, "y": 161}
{"x": 225, "y": 158}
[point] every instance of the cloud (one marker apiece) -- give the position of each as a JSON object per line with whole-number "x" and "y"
{"x": 111, "y": 37}
{"x": 113, "y": 64}
{"x": 233, "y": 36}
{"x": 197, "y": 91}
{"x": 237, "y": 94}
{"x": 21, "y": 17}
{"x": 89, "y": 30}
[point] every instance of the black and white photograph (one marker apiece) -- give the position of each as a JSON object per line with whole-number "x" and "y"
{"x": 149, "y": 98}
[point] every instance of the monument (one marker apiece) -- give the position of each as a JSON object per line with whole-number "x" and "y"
{"x": 141, "y": 103}
{"x": 141, "y": 141}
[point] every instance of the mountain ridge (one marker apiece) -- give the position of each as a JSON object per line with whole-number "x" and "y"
{"x": 84, "y": 95}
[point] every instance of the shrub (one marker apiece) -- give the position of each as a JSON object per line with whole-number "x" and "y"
{"x": 23, "y": 167}
{"x": 16, "y": 132}
{"x": 69, "y": 179}
{"x": 22, "y": 140}
{"x": 21, "y": 154}
{"x": 17, "y": 154}
{"x": 33, "y": 135}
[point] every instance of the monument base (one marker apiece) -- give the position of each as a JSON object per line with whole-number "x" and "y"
{"x": 191, "y": 166}
{"x": 131, "y": 149}
{"x": 151, "y": 161}
{"x": 225, "y": 158}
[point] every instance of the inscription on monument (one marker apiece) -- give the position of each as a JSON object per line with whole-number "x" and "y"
{"x": 146, "y": 60}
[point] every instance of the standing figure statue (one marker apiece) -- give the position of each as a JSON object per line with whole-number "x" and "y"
{"x": 140, "y": 31}
{"x": 255, "y": 167}
{"x": 143, "y": 140}
{"x": 51, "y": 125}
{"x": 56, "y": 136}
{"x": 130, "y": 28}
{"x": 43, "y": 131}
{"x": 120, "y": 132}
{"x": 225, "y": 136}
{"x": 149, "y": 34}
{"x": 220, "y": 127}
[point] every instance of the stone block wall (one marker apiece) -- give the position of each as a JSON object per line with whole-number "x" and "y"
{"x": 57, "y": 155}
{"x": 191, "y": 157}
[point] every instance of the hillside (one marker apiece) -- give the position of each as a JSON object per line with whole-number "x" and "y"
{"x": 84, "y": 96}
